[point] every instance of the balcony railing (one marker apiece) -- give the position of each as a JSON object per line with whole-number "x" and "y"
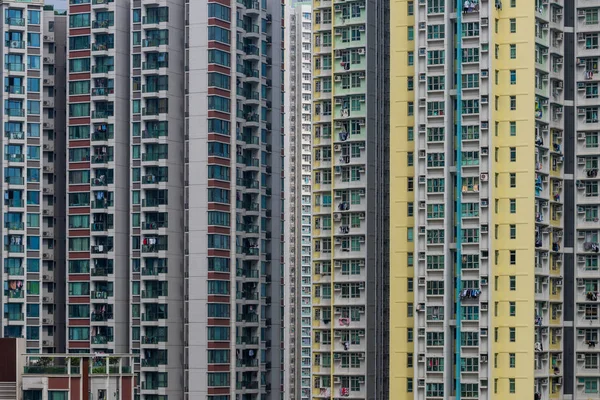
{"x": 102, "y": 91}
{"x": 155, "y": 42}
{"x": 14, "y": 89}
{"x": 15, "y": 135}
{"x": 101, "y": 316}
{"x": 102, "y": 24}
{"x": 14, "y": 112}
{"x": 155, "y": 65}
{"x": 102, "y": 46}
{"x": 155, "y": 133}
{"x": 102, "y": 69}
{"x": 15, "y": 21}
{"x": 14, "y": 180}
{"x": 153, "y": 271}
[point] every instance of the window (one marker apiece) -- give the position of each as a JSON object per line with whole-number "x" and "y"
{"x": 513, "y": 25}
{"x": 512, "y": 334}
{"x": 513, "y": 180}
{"x": 513, "y": 128}
{"x": 219, "y": 57}
{"x": 79, "y": 20}
{"x": 216, "y": 10}
{"x": 513, "y": 154}
{"x": 512, "y": 357}
{"x": 513, "y": 232}
{"x": 512, "y": 385}
{"x": 79, "y": 333}
{"x": 591, "y": 16}
{"x": 219, "y": 34}
{"x": 591, "y": 41}
{"x": 513, "y": 51}
{"x": 513, "y": 283}
{"x": 56, "y": 395}
{"x": 512, "y": 306}
{"x": 513, "y": 103}
{"x": 513, "y": 77}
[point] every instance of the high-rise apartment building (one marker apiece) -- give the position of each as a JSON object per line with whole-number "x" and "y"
{"x": 482, "y": 199}
{"x": 234, "y": 250}
{"x": 100, "y": 315}
{"x": 581, "y": 277}
{"x": 175, "y": 193}
{"x": 349, "y": 190}
{"x": 300, "y": 200}
{"x": 31, "y": 130}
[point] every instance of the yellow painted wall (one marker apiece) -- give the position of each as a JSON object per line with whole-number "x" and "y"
{"x": 399, "y": 199}
{"x": 501, "y": 142}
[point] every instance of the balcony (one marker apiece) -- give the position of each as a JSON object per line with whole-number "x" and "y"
{"x": 102, "y": 271}
{"x": 151, "y": 179}
{"x": 14, "y": 316}
{"x": 15, "y": 135}
{"x": 102, "y": 136}
{"x": 154, "y": 111}
{"x": 247, "y": 317}
{"x": 247, "y": 340}
{"x": 14, "y": 157}
{"x": 101, "y": 316}
{"x": 153, "y": 316}
{"x": 102, "y": 339}
{"x": 101, "y": 158}
{"x": 14, "y": 248}
{"x": 155, "y": 88}
{"x": 155, "y": 42}
{"x": 152, "y": 340}
{"x": 14, "y": 21}
{"x": 153, "y": 294}
{"x": 14, "y": 112}
{"x": 100, "y": 295}
{"x": 246, "y": 296}
{"x": 154, "y": 271}
{"x": 155, "y": 133}
{"x": 11, "y": 89}
{"x": 102, "y": 91}
{"x": 15, "y": 44}
{"x": 100, "y": 249}
{"x": 102, "y": 69}
{"x": 101, "y": 226}
{"x": 154, "y": 65}
{"x": 154, "y": 248}
{"x": 18, "y": 271}
{"x": 154, "y": 202}
{"x": 102, "y": 24}
{"x": 154, "y": 225}
{"x": 247, "y": 363}
{"x": 154, "y": 156}
{"x": 102, "y": 46}
{"x": 14, "y": 225}
{"x": 15, "y": 293}
{"x": 102, "y": 114}
{"x": 102, "y": 204}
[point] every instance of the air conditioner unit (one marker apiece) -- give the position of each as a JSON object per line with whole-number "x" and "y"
{"x": 484, "y": 177}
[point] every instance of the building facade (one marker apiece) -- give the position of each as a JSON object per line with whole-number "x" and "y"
{"x": 300, "y": 199}
{"x": 234, "y": 250}
{"x": 482, "y": 203}
{"x": 349, "y": 257}
{"x": 31, "y": 130}
{"x": 27, "y": 376}
{"x": 153, "y": 185}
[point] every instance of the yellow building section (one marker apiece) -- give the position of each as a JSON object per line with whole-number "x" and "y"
{"x": 402, "y": 331}
{"x": 513, "y": 284}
